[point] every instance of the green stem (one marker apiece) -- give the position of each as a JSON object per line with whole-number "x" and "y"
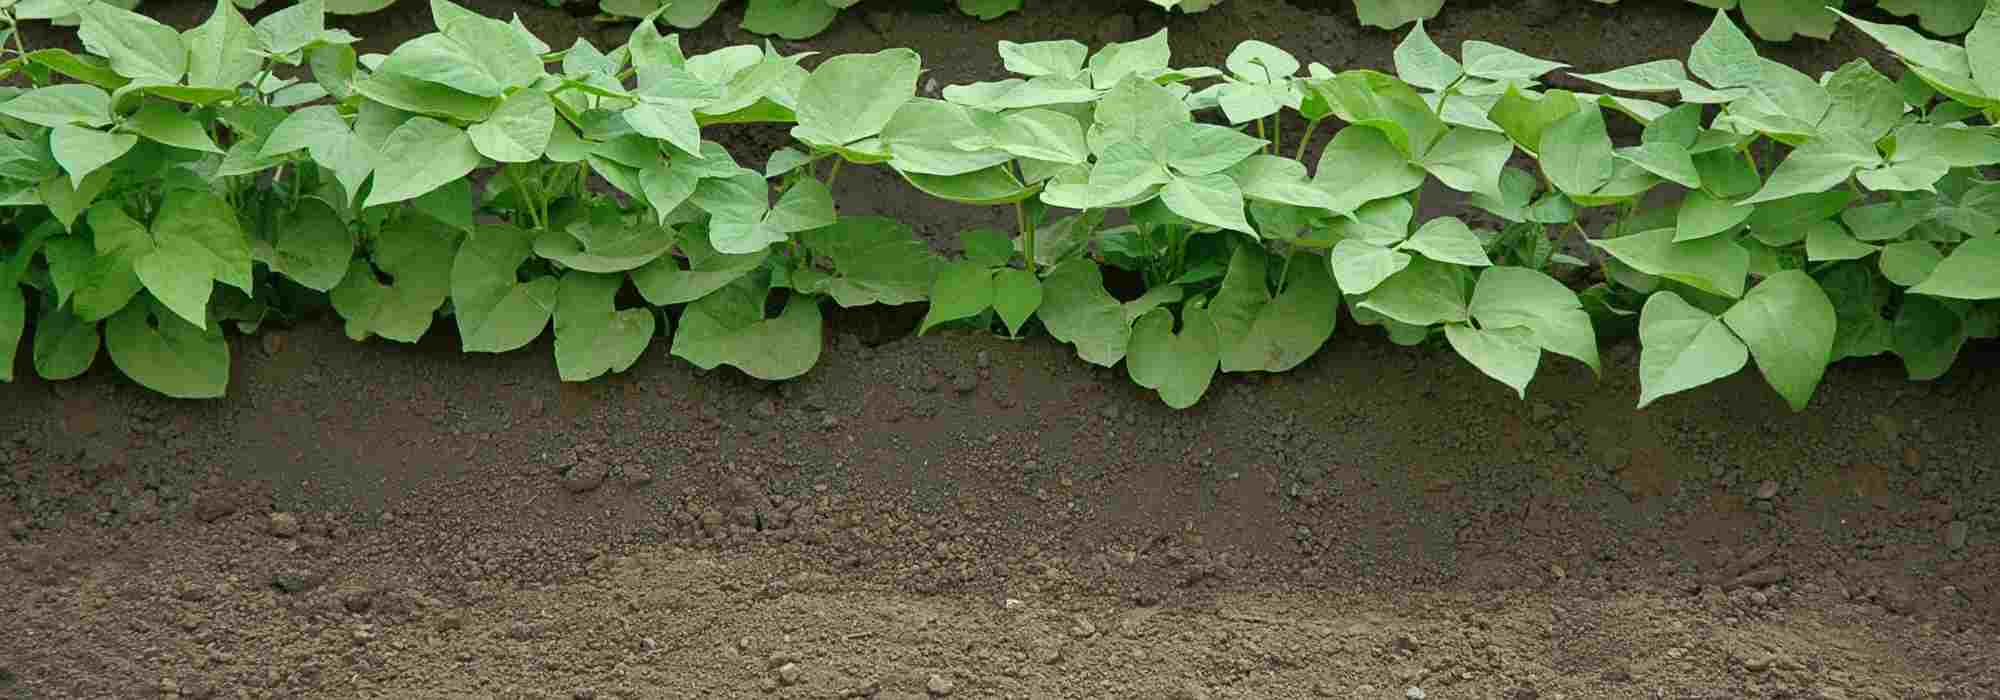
{"x": 1446, "y": 95}
{"x": 20, "y": 46}
{"x": 1311, "y": 126}
{"x": 1027, "y": 236}
{"x": 834, "y": 172}
{"x": 1285, "y": 275}
{"x": 1260, "y": 128}
{"x": 1277, "y": 133}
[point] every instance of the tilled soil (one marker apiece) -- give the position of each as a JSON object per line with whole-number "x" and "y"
{"x": 966, "y": 516}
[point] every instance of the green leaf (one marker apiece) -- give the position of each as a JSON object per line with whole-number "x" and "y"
{"x": 65, "y": 346}
{"x": 1255, "y": 61}
{"x": 665, "y": 282}
{"x": 1576, "y": 152}
{"x": 986, "y": 247}
{"x": 1059, "y": 58}
{"x": 1508, "y": 355}
{"x": 1664, "y": 75}
{"x": 1077, "y": 310}
{"x": 991, "y": 186}
{"x": 1214, "y": 200}
{"x": 1017, "y": 294}
{"x": 1041, "y": 134}
{"x": 1360, "y": 266}
{"x": 1424, "y": 293}
{"x": 1702, "y": 215}
{"x": 1717, "y": 264}
{"x": 729, "y": 327}
{"x": 1666, "y": 160}
{"x": 1826, "y": 240}
{"x": 1789, "y": 324}
{"x": 1683, "y": 347}
{"x": 1137, "y": 111}
{"x": 412, "y": 95}
{"x": 312, "y": 246}
{"x": 469, "y": 52}
{"x": 1180, "y": 366}
{"x": 292, "y": 28}
{"x": 1972, "y": 271}
{"x": 1786, "y": 219}
{"x": 593, "y": 336}
{"x": 519, "y": 129}
{"x": 1263, "y": 333}
{"x": 97, "y": 283}
{"x": 1982, "y": 47}
{"x": 1495, "y": 62}
{"x": 1361, "y": 165}
{"x": 1723, "y": 56}
{"x": 60, "y": 105}
{"x": 606, "y": 242}
{"x": 962, "y": 290}
{"x": 1816, "y": 166}
{"x": 1519, "y": 297}
{"x": 82, "y": 151}
{"x": 198, "y": 241}
{"x": 1525, "y": 116}
{"x": 789, "y": 19}
{"x": 139, "y": 48}
{"x": 853, "y": 96}
{"x": 1927, "y": 335}
{"x": 166, "y": 354}
{"x": 1206, "y": 149}
{"x": 1420, "y": 62}
{"x": 1860, "y": 296}
{"x": 1469, "y": 160}
{"x": 925, "y": 137}
{"x": 1866, "y": 104}
{"x": 496, "y": 310}
{"x": 221, "y": 52}
{"x": 1390, "y": 14}
{"x": 1910, "y": 263}
{"x": 876, "y": 261}
{"x": 434, "y": 152}
{"x": 1447, "y": 239}
{"x": 169, "y": 126}
{"x": 1117, "y": 60}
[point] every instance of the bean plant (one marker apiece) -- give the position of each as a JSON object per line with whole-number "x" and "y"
{"x": 164, "y": 187}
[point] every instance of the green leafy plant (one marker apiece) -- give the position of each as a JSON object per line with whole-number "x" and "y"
{"x": 164, "y": 188}
{"x": 1775, "y": 20}
{"x": 801, "y": 19}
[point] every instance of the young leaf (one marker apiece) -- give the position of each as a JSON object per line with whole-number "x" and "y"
{"x": 82, "y": 151}
{"x": 1420, "y": 62}
{"x": 166, "y": 354}
{"x": 876, "y": 261}
{"x": 1683, "y": 347}
{"x": 496, "y": 310}
{"x": 1077, "y": 310}
{"x": 1423, "y": 294}
{"x": 1789, "y": 324}
{"x": 1206, "y": 149}
{"x": 962, "y": 289}
{"x": 1390, "y": 14}
{"x": 1826, "y": 240}
{"x": 1716, "y": 264}
{"x": 1576, "y": 152}
{"x": 1214, "y": 200}
{"x": 312, "y": 246}
{"x": 1817, "y": 166}
{"x": 729, "y": 327}
{"x": 1017, "y": 294}
{"x": 1702, "y": 215}
{"x": 1058, "y": 58}
{"x": 1508, "y": 355}
{"x": 1141, "y": 57}
{"x": 1359, "y": 265}
{"x": 1927, "y": 335}
{"x": 61, "y": 105}
{"x": 1469, "y": 160}
{"x": 396, "y": 288}
{"x": 1723, "y": 56}
{"x": 1180, "y": 366}
{"x": 221, "y": 51}
{"x": 169, "y": 126}
{"x": 1447, "y": 239}
{"x": 519, "y": 129}
{"x": 594, "y": 336}
{"x": 1510, "y": 297}
{"x": 139, "y": 47}
{"x": 1361, "y": 165}
{"x": 605, "y": 242}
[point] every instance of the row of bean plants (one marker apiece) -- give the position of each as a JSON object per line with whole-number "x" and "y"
{"x": 165, "y": 186}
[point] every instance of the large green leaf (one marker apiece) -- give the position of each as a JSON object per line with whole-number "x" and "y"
{"x": 963, "y": 289}
{"x": 1180, "y": 366}
{"x": 432, "y": 152}
{"x": 221, "y": 52}
{"x": 82, "y": 151}
{"x": 1361, "y": 165}
{"x": 1264, "y": 333}
{"x": 1390, "y": 14}
{"x": 1927, "y": 335}
{"x": 1716, "y": 264}
{"x": 1817, "y": 166}
{"x": 96, "y": 283}
{"x": 166, "y": 354}
{"x": 1214, "y": 200}
{"x": 1420, "y": 62}
{"x": 469, "y": 52}
{"x": 65, "y": 346}
{"x": 395, "y": 289}
{"x": 789, "y": 19}
{"x": 1519, "y": 297}
{"x": 1469, "y": 160}
{"x": 1508, "y": 355}
{"x": 496, "y": 310}
{"x": 196, "y": 241}
{"x": 1972, "y": 271}
{"x": 606, "y": 241}
{"x": 59, "y": 105}
{"x": 1577, "y": 153}
{"x": 1702, "y": 215}
{"x": 1017, "y": 294}
{"x": 519, "y": 129}
{"x": 1683, "y": 347}
{"x": 594, "y": 336}
{"x": 1423, "y": 294}
{"x": 1077, "y": 310}
{"x": 139, "y": 47}
{"x": 853, "y": 96}
{"x": 925, "y": 136}
{"x": 1137, "y": 111}
{"x": 311, "y": 245}
{"x": 169, "y": 126}
{"x": 1789, "y": 324}
{"x": 729, "y": 327}
{"x": 1447, "y": 239}
{"x": 875, "y": 261}
{"x": 665, "y": 282}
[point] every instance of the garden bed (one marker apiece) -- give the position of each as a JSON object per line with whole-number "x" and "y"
{"x": 998, "y": 514}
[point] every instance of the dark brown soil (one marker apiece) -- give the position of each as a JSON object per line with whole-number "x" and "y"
{"x": 969, "y": 516}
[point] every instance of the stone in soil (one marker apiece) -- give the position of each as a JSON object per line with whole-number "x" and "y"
{"x": 788, "y": 674}
{"x": 284, "y": 524}
{"x": 213, "y": 508}
{"x": 1767, "y": 490}
{"x": 939, "y": 686}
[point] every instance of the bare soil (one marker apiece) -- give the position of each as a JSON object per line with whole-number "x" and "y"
{"x": 965, "y": 516}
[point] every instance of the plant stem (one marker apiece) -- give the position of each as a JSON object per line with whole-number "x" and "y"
{"x": 1311, "y": 126}
{"x": 1285, "y": 275}
{"x": 1277, "y": 133}
{"x": 834, "y": 172}
{"x": 1446, "y": 95}
{"x": 1260, "y": 128}
{"x": 1027, "y": 236}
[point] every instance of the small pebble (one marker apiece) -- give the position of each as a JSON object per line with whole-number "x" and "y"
{"x": 1415, "y": 693}
{"x": 1767, "y": 490}
{"x": 284, "y": 524}
{"x": 939, "y": 686}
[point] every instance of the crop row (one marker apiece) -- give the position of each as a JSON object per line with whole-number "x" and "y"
{"x": 1775, "y": 20}
{"x": 166, "y": 185}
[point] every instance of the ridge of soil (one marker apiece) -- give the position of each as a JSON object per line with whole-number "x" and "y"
{"x": 960, "y": 515}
